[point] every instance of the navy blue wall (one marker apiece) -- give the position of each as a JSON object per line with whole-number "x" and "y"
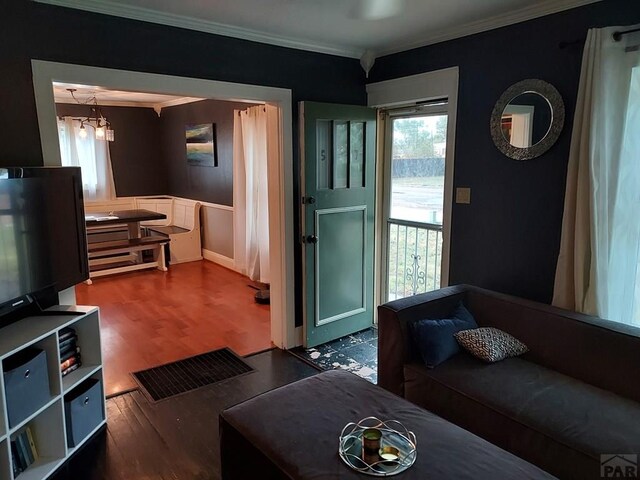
{"x": 508, "y": 238}
{"x": 30, "y": 30}
{"x": 209, "y": 184}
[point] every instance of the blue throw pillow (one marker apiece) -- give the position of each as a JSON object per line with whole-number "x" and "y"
{"x": 434, "y": 337}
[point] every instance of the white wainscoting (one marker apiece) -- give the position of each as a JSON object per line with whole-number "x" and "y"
{"x": 219, "y": 259}
{"x": 216, "y": 223}
{"x": 217, "y": 228}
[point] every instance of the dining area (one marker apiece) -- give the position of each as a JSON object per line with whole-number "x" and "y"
{"x": 117, "y": 242}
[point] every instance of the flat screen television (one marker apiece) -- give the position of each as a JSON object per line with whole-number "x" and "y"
{"x": 43, "y": 243}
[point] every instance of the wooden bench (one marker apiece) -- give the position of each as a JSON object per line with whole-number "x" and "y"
{"x": 105, "y": 258}
{"x": 183, "y": 228}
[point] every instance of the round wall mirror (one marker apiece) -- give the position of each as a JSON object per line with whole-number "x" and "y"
{"x": 527, "y": 119}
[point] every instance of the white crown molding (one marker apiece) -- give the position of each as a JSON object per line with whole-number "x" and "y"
{"x": 542, "y": 9}
{"x": 107, "y": 7}
{"x": 177, "y": 101}
{"x": 147, "y": 15}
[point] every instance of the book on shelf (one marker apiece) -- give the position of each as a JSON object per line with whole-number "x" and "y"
{"x": 69, "y": 343}
{"x": 68, "y": 353}
{"x": 23, "y": 451}
{"x": 19, "y": 455}
{"x": 15, "y": 460}
{"x": 65, "y": 334}
{"x": 70, "y": 361}
{"x": 24, "y": 444}
{"x": 32, "y": 443}
{"x": 71, "y": 369}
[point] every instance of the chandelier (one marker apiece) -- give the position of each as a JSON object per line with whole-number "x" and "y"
{"x": 95, "y": 120}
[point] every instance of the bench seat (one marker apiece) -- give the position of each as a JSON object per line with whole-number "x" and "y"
{"x": 182, "y": 226}
{"x": 168, "y": 230}
{"x": 120, "y": 256}
{"x": 133, "y": 244}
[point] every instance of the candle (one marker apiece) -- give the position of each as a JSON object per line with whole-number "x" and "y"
{"x": 371, "y": 440}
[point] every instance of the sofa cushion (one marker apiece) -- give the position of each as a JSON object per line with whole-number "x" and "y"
{"x": 490, "y": 344}
{"x": 543, "y": 416}
{"x": 434, "y": 338}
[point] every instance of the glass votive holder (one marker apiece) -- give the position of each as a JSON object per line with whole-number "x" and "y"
{"x": 371, "y": 440}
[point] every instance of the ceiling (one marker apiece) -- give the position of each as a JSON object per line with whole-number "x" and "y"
{"x": 332, "y": 26}
{"x": 104, "y": 96}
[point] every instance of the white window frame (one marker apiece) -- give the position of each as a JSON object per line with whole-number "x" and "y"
{"x": 423, "y": 87}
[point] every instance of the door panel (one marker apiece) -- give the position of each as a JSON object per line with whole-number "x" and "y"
{"x": 338, "y": 166}
{"x": 343, "y": 234}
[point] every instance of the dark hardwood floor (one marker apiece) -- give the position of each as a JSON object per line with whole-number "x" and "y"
{"x": 177, "y": 438}
{"x": 151, "y": 318}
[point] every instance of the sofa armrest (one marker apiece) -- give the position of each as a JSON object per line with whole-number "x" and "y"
{"x": 394, "y": 338}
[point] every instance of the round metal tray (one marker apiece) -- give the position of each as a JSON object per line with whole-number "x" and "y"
{"x": 393, "y": 434}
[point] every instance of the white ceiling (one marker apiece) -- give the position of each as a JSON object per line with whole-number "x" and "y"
{"x": 120, "y": 98}
{"x": 331, "y": 26}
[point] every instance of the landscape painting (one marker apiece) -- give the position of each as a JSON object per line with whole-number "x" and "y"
{"x": 201, "y": 145}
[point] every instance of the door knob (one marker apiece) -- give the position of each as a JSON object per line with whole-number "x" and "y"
{"x": 312, "y": 239}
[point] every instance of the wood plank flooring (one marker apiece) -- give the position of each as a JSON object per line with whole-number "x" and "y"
{"x": 177, "y": 438}
{"x": 152, "y": 317}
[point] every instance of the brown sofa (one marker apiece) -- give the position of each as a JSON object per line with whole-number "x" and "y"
{"x": 573, "y": 397}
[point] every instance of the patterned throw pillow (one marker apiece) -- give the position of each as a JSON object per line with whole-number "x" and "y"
{"x": 490, "y": 344}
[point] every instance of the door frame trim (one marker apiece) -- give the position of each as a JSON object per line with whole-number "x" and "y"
{"x": 405, "y": 91}
{"x": 280, "y": 169}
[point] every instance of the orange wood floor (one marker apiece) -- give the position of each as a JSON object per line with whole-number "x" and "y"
{"x": 152, "y": 317}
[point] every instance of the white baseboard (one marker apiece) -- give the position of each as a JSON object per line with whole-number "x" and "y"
{"x": 186, "y": 260}
{"x": 219, "y": 259}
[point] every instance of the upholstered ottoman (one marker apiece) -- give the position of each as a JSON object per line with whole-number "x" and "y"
{"x": 292, "y": 433}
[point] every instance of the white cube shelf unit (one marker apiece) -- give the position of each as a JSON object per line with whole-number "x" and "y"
{"x": 47, "y": 422}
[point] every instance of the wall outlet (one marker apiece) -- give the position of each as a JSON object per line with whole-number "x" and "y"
{"x": 463, "y": 195}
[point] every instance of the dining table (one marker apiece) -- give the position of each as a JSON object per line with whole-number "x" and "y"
{"x": 113, "y": 250}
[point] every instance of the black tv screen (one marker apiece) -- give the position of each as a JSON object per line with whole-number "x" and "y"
{"x": 42, "y": 231}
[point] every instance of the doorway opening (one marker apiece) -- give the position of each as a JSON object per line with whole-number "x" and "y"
{"x": 413, "y": 198}
{"x": 280, "y": 330}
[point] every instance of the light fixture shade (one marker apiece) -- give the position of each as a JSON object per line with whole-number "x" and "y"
{"x": 110, "y": 135}
{"x": 100, "y": 133}
{"x": 83, "y": 132}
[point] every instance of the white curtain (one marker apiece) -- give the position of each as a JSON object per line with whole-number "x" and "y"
{"x": 91, "y": 155}
{"x": 255, "y": 140}
{"x": 598, "y": 271}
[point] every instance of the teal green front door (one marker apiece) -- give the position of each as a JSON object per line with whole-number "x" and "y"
{"x": 338, "y": 186}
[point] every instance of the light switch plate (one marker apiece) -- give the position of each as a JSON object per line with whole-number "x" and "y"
{"x": 463, "y": 195}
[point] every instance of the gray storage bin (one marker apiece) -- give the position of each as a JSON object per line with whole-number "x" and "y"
{"x": 26, "y": 381}
{"x": 84, "y": 410}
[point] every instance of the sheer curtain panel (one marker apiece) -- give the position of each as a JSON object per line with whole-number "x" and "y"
{"x": 256, "y": 134}
{"x": 598, "y": 271}
{"x": 91, "y": 155}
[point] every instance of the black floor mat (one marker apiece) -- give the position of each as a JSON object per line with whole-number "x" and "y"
{"x": 194, "y": 372}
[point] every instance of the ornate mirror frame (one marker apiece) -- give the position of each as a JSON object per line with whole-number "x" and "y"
{"x": 551, "y": 94}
